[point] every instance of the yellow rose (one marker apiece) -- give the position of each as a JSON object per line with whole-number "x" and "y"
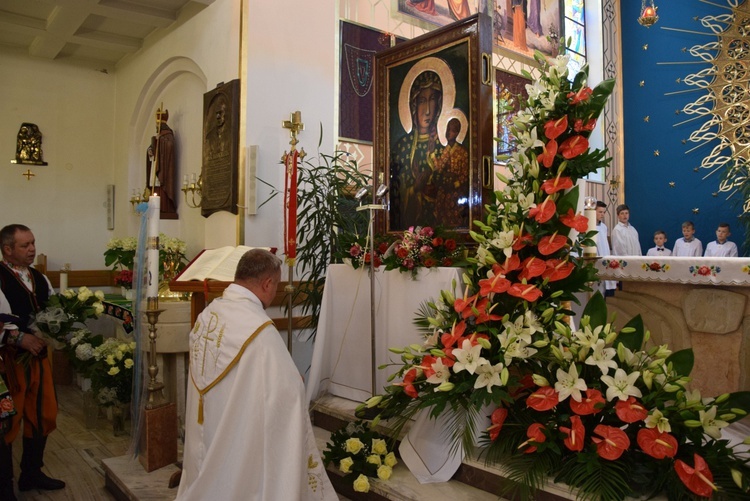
{"x": 390, "y": 460}
{"x": 110, "y": 360}
{"x": 113, "y": 371}
{"x": 373, "y": 459}
{"x": 384, "y": 472}
{"x": 354, "y": 445}
{"x": 362, "y": 484}
{"x": 378, "y": 446}
{"x": 346, "y": 464}
{"x": 128, "y": 363}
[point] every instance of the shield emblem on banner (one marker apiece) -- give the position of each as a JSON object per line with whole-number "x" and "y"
{"x": 359, "y": 65}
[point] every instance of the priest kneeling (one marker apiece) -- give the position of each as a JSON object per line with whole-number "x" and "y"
{"x": 247, "y": 432}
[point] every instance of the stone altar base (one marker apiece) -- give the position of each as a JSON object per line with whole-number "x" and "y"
{"x": 125, "y": 479}
{"x": 159, "y": 438}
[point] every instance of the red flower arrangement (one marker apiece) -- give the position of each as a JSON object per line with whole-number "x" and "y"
{"x": 423, "y": 247}
{"x": 124, "y": 278}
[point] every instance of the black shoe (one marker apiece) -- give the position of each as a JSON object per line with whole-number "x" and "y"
{"x": 38, "y": 480}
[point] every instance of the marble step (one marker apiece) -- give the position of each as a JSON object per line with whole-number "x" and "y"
{"x": 473, "y": 480}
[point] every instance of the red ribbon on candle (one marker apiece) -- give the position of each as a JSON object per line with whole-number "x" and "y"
{"x": 290, "y": 205}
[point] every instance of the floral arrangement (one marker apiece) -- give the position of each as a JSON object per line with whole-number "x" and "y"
{"x": 80, "y": 351}
{"x": 112, "y": 376}
{"x": 360, "y": 453}
{"x": 356, "y": 250}
{"x": 423, "y": 247}
{"x": 66, "y": 309}
{"x": 124, "y": 278}
{"x": 589, "y": 406}
{"x": 120, "y": 255}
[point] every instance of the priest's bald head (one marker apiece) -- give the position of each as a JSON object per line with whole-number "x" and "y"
{"x": 259, "y": 271}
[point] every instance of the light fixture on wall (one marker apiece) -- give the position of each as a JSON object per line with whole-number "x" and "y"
{"x": 194, "y": 187}
{"x": 137, "y": 198}
{"x": 648, "y": 15}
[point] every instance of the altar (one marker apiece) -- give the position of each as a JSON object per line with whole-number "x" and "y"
{"x": 341, "y": 360}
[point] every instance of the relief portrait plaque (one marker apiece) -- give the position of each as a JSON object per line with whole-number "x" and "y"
{"x": 221, "y": 122}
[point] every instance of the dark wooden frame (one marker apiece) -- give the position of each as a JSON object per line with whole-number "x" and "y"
{"x": 515, "y": 84}
{"x": 473, "y": 36}
{"x": 220, "y": 167}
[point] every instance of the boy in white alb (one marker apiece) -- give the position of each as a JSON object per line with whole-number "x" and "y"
{"x": 722, "y": 247}
{"x": 660, "y": 238}
{"x": 607, "y": 287}
{"x": 688, "y": 245}
{"x": 624, "y": 237}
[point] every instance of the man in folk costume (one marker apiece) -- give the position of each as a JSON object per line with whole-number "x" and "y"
{"x": 23, "y": 292}
{"x": 247, "y": 432}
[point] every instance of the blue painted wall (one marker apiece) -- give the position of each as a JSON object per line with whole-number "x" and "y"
{"x": 653, "y": 203}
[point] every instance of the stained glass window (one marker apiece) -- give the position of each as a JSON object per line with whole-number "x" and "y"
{"x": 575, "y": 34}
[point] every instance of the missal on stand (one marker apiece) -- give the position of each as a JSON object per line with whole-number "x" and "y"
{"x": 216, "y": 264}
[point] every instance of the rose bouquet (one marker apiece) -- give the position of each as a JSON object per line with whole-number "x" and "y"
{"x": 423, "y": 247}
{"x": 356, "y": 250}
{"x": 124, "y": 278}
{"x": 66, "y": 309}
{"x": 359, "y": 452}
{"x": 590, "y": 406}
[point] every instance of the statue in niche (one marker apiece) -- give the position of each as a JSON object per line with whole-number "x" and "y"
{"x": 161, "y": 156}
{"x": 29, "y": 145}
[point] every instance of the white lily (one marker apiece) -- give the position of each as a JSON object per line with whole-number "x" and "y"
{"x": 489, "y": 376}
{"x": 503, "y": 240}
{"x": 602, "y": 357}
{"x": 569, "y": 384}
{"x": 468, "y": 358}
{"x": 711, "y": 426}
{"x": 622, "y": 385}
{"x": 657, "y": 420}
{"x": 442, "y": 373}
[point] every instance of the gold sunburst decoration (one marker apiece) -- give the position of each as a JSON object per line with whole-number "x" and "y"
{"x": 725, "y": 105}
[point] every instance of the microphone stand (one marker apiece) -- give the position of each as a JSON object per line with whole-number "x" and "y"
{"x": 370, "y": 236}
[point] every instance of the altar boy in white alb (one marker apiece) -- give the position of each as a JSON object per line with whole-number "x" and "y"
{"x": 247, "y": 431}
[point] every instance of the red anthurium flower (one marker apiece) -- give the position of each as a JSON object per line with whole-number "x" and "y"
{"x": 558, "y": 269}
{"x": 496, "y": 284}
{"x": 409, "y": 388}
{"x": 579, "y": 126}
{"x": 574, "y": 146}
{"x": 544, "y": 211}
{"x": 554, "y": 128}
{"x": 657, "y": 444}
{"x": 699, "y": 479}
{"x": 535, "y": 434}
{"x": 549, "y": 151}
{"x": 484, "y": 315}
{"x": 630, "y": 410}
{"x": 449, "y": 339}
{"x": 613, "y": 442}
{"x": 588, "y": 405}
{"x": 497, "y": 418}
{"x": 511, "y": 264}
{"x": 543, "y": 399}
{"x": 521, "y": 242}
{"x": 525, "y": 291}
{"x": 532, "y": 267}
{"x": 578, "y": 222}
{"x": 575, "y": 434}
{"x": 579, "y": 97}
{"x": 556, "y": 184}
{"x": 552, "y": 243}
{"x": 460, "y": 304}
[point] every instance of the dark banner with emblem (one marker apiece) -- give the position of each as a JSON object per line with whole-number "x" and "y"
{"x": 359, "y": 45}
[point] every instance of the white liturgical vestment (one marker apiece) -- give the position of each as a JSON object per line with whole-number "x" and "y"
{"x": 247, "y": 430}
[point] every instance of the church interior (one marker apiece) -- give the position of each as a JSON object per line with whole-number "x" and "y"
{"x": 241, "y": 86}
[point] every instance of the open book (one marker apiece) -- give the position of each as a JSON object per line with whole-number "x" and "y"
{"x": 215, "y": 264}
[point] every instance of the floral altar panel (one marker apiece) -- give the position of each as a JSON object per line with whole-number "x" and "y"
{"x": 341, "y": 361}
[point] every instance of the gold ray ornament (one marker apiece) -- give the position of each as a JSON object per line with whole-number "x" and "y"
{"x": 723, "y": 108}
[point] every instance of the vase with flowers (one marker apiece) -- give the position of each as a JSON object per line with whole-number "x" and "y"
{"x": 424, "y": 247}
{"x": 593, "y": 406}
{"x": 112, "y": 378}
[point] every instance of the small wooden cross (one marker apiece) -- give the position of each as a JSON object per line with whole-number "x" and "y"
{"x": 28, "y": 174}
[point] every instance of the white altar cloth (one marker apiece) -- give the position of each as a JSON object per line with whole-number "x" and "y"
{"x": 341, "y": 361}
{"x": 683, "y": 270}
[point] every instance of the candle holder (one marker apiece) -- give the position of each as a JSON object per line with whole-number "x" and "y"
{"x": 194, "y": 187}
{"x": 136, "y": 199}
{"x": 648, "y": 15}
{"x": 155, "y": 388}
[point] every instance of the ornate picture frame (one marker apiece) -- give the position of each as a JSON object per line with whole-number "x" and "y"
{"x": 523, "y": 26}
{"x": 439, "y": 171}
